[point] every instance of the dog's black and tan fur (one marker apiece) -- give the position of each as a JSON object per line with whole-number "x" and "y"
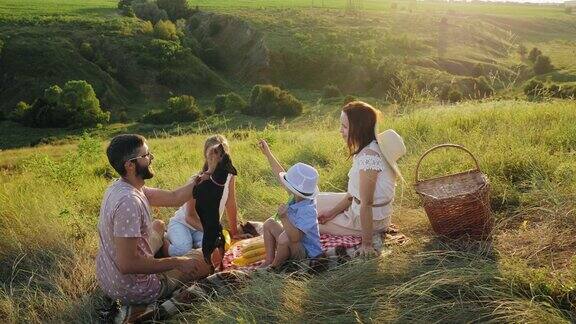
{"x": 208, "y": 194}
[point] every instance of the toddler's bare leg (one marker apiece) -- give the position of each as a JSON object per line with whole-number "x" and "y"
{"x": 282, "y": 250}
{"x": 272, "y": 230}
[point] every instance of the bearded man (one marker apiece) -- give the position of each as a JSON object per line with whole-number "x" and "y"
{"x": 129, "y": 238}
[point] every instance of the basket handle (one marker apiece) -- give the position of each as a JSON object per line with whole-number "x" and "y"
{"x": 440, "y": 146}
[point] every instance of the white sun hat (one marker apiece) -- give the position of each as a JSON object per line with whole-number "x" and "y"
{"x": 302, "y": 180}
{"x": 393, "y": 148}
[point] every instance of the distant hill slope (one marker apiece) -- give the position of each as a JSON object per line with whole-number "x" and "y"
{"x": 407, "y": 47}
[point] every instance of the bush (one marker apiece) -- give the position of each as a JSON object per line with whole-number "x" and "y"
{"x": 166, "y": 30}
{"x": 568, "y": 92}
{"x": 148, "y": 10}
{"x": 454, "y": 96}
{"x": 348, "y": 99}
{"x": 554, "y": 90}
{"x": 535, "y": 89}
{"x": 229, "y": 102}
{"x": 444, "y": 93}
{"x": 179, "y": 109}
{"x": 20, "y": 112}
{"x": 125, "y": 8}
{"x": 267, "y": 100}
{"x": 478, "y": 70}
{"x": 146, "y": 27}
{"x": 543, "y": 65}
{"x": 163, "y": 52}
{"x": 176, "y": 9}
{"x": 79, "y": 98}
{"x": 73, "y": 105}
{"x": 534, "y": 53}
{"x": 122, "y": 117}
{"x": 331, "y": 91}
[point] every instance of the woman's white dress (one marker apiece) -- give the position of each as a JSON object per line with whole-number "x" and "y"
{"x": 348, "y": 222}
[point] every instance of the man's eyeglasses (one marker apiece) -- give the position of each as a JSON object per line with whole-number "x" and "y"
{"x": 147, "y": 155}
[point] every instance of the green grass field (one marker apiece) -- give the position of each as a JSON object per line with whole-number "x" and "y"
{"x": 57, "y": 7}
{"x": 50, "y": 197}
{"x": 50, "y": 194}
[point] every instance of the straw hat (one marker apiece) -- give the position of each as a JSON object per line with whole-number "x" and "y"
{"x": 393, "y": 148}
{"x": 302, "y": 180}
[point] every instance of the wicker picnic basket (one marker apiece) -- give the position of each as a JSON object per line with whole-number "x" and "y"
{"x": 458, "y": 204}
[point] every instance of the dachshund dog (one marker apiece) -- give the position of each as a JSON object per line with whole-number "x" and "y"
{"x": 208, "y": 194}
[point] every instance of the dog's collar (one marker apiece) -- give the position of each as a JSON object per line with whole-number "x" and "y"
{"x": 216, "y": 183}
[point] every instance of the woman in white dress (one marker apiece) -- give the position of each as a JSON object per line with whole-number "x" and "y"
{"x": 366, "y": 207}
{"x": 185, "y": 229}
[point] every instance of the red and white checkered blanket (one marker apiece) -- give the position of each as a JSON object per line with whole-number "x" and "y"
{"x": 329, "y": 245}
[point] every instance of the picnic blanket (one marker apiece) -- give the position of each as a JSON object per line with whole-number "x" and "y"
{"x": 337, "y": 249}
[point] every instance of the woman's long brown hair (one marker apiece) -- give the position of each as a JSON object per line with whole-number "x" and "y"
{"x": 362, "y": 119}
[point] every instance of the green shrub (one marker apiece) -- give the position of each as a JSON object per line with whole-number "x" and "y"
{"x": 478, "y": 70}
{"x": 543, "y": 65}
{"x": 535, "y": 89}
{"x": 568, "y": 92}
{"x": 125, "y": 8}
{"x": 162, "y": 52}
{"x": 229, "y": 102}
{"x": 554, "y": 90}
{"x": 534, "y": 53}
{"x": 454, "y": 96}
{"x": 20, "y": 112}
{"x": 179, "y": 109}
{"x": 176, "y": 9}
{"x": 331, "y": 91}
{"x": 348, "y": 99}
{"x": 444, "y": 93}
{"x": 122, "y": 117}
{"x": 74, "y": 105}
{"x": 166, "y": 30}
{"x": 146, "y": 27}
{"x": 267, "y": 100}
{"x": 148, "y": 10}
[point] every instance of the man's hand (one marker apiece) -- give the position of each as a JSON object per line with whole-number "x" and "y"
{"x": 187, "y": 265}
{"x": 201, "y": 177}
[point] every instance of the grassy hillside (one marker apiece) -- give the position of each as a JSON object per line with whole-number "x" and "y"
{"x": 50, "y": 197}
{"x": 312, "y": 44}
{"x": 48, "y": 43}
